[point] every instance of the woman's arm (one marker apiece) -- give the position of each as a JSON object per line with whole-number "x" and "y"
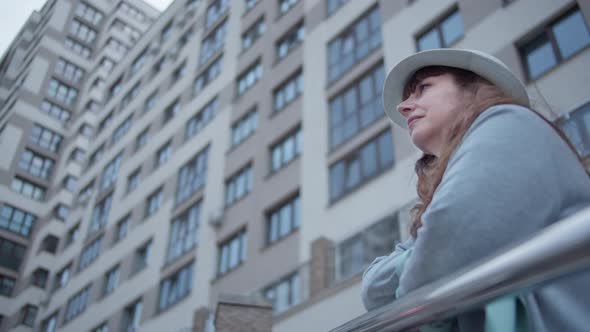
{"x": 381, "y": 278}
{"x": 499, "y": 187}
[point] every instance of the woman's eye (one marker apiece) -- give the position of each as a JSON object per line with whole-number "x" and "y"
{"x": 423, "y": 86}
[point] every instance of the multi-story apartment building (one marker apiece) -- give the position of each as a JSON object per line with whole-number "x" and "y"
{"x": 155, "y": 161}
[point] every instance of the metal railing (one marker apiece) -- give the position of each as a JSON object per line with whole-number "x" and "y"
{"x": 560, "y": 249}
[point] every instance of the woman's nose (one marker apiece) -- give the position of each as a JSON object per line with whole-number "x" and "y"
{"x": 406, "y": 107}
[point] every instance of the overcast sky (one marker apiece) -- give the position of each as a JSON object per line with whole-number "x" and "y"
{"x": 15, "y": 14}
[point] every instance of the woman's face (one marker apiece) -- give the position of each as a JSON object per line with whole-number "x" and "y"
{"x": 431, "y": 110}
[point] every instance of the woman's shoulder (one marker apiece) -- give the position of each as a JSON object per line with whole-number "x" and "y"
{"x": 510, "y": 120}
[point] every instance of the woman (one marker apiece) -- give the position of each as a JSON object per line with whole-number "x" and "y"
{"x": 493, "y": 172}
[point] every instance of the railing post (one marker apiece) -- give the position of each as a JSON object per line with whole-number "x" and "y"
{"x": 322, "y": 267}
{"x": 243, "y": 313}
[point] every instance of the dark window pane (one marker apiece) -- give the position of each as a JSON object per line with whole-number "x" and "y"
{"x": 539, "y": 57}
{"x": 336, "y": 180}
{"x": 386, "y": 149}
{"x": 571, "y": 34}
{"x": 369, "y": 159}
{"x": 452, "y": 28}
{"x": 429, "y": 40}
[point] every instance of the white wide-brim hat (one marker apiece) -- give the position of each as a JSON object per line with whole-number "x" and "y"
{"x": 478, "y": 62}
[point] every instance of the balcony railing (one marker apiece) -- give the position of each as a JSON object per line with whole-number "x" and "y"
{"x": 561, "y": 249}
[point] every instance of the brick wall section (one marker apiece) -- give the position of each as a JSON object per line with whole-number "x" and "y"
{"x": 242, "y": 314}
{"x": 322, "y": 265}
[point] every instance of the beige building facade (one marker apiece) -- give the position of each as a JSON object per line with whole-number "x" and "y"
{"x": 155, "y": 163}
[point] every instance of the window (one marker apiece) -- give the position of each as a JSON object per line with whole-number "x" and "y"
{"x": 577, "y": 129}
{"x": 100, "y": 214}
{"x": 158, "y": 66}
{"x": 130, "y": 95}
{"x": 166, "y": 32}
{"x": 69, "y": 71}
{"x": 61, "y": 211}
{"x": 86, "y": 130}
{"x": 244, "y": 127}
{"x": 55, "y": 111}
{"x": 183, "y": 232}
{"x": 116, "y": 87}
{"x": 290, "y": 40}
{"x": 201, "y": 119}
{"x": 362, "y": 165}
{"x": 357, "y": 107}
{"x": 151, "y": 101}
{"x": 171, "y": 110}
{"x": 133, "y": 33}
{"x": 45, "y": 138}
{"x": 16, "y": 220}
{"x": 133, "y": 180}
{"x": 443, "y": 33}
{"x": 36, "y": 164}
{"x": 250, "y": 4}
{"x": 286, "y": 5}
{"x": 106, "y": 64}
{"x": 212, "y": 43}
{"x": 111, "y": 281}
{"x": 40, "y": 277}
{"x": 117, "y": 46}
{"x": 192, "y": 176}
{"x": 286, "y": 150}
{"x": 28, "y": 189}
{"x": 163, "y": 154}
{"x": 122, "y": 228}
{"x": 207, "y": 76}
{"x": 106, "y": 121}
{"x": 50, "y": 323}
{"x": 215, "y": 11}
{"x": 357, "y": 252}
{"x": 70, "y": 183}
{"x": 77, "y": 155}
{"x": 11, "y": 254}
{"x": 142, "y": 139}
{"x": 86, "y": 193}
{"x": 283, "y": 220}
{"x": 103, "y": 327}
{"x": 176, "y": 287}
{"x": 122, "y": 129}
{"x": 62, "y": 92}
{"x": 73, "y": 234}
{"x": 6, "y": 285}
{"x": 49, "y": 244}
{"x": 90, "y": 14}
{"x": 139, "y": 61}
{"x": 89, "y": 253}
{"x": 142, "y": 256}
{"x": 63, "y": 276}
{"x": 28, "y": 315}
{"x": 132, "y": 317}
{"x": 78, "y": 48}
{"x": 354, "y": 44}
{"x": 178, "y": 73}
{"x": 238, "y": 186}
{"x": 132, "y": 11}
{"x": 334, "y": 5}
{"x": 111, "y": 171}
{"x": 153, "y": 202}
{"x": 285, "y": 293}
{"x": 96, "y": 155}
{"x": 558, "y": 42}
{"x": 82, "y": 31}
{"x": 253, "y": 33}
{"x": 77, "y": 304}
{"x": 288, "y": 91}
{"x": 232, "y": 253}
{"x": 247, "y": 79}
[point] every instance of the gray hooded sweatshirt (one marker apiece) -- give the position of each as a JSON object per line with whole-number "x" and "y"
{"x": 510, "y": 177}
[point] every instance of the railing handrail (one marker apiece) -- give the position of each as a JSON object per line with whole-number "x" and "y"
{"x": 558, "y": 250}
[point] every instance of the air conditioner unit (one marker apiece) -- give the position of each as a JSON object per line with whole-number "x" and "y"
{"x": 216, "y": 218}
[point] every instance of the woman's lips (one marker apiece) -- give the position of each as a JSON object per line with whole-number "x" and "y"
{"x": 413, "y": 120}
